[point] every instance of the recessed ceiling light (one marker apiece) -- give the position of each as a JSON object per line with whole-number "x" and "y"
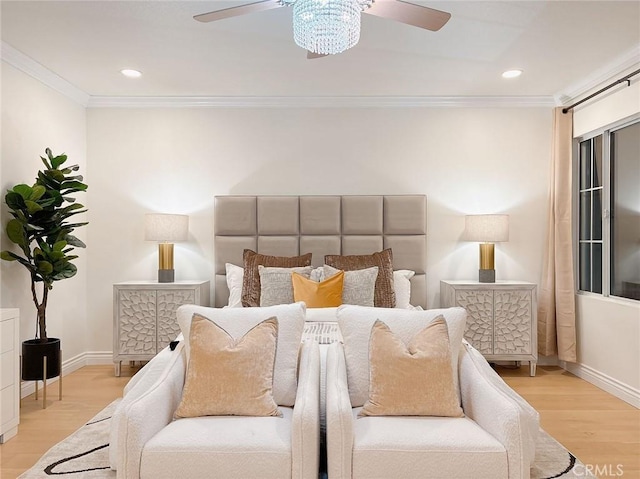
{"x": 131, "y": 73}
{"x": 512, "y": 74}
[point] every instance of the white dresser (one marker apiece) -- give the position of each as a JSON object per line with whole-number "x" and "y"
{"x": 502, "y": 318}
{"x": 144, "y": 316}
{"x": 9, "y": 373}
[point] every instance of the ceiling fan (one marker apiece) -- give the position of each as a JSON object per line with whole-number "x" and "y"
{"x": 326, "y": 27}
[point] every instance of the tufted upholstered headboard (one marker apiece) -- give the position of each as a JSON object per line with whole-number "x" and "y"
{"x": 347, "y": 225}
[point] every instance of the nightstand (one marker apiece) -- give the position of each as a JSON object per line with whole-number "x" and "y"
{"x": 502, "y": 318}
{"x": 144, "y": 316}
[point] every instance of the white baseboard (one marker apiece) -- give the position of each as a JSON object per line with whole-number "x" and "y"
{"x": 98, "y": 358}
{"x": 90, "y": 358}
{"x": 607, "y": 383}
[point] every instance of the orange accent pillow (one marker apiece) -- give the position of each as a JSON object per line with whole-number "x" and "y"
{"x": 323, "y": 294}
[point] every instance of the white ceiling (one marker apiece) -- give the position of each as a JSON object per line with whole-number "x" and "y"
{"x": 557, "y": 43}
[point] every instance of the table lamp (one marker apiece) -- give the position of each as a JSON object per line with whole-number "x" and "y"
{"x": 488, "y": 229}
{"x": 166, "y": 229}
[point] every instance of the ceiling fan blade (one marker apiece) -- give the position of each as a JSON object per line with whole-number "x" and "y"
{"x": 312, "y": 55}
{"x": 409, "y": 13}
{"x": 239, "y": 10}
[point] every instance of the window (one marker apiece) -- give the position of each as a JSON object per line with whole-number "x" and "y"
{"x": 608, "y": 233}
{"x": 590, "y": 236}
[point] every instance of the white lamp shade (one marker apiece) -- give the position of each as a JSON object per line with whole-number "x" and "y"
{"x": 166, "y": 228}
{"x": 486, "y": 228}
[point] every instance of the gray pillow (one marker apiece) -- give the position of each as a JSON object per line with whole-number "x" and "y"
{"x": 276, "y": 286}
{"x": 359, "y": 285}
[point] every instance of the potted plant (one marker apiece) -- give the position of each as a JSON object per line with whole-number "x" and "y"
{"x": 41, "y": 228}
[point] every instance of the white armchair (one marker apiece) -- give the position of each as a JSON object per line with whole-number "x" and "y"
{"x": 152, "y": 445}
{"x": 494, "y": 440}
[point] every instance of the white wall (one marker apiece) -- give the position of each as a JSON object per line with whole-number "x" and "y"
{"x": 35, "y": 117}
{"x": 176, "y": 160}
{"x": 609, "y": 329}
{"x": 608, "y": 337}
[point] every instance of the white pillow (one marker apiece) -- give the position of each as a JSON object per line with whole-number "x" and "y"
{"x": 356, "y": 322}
{"x": 402, "y": 287}
{"x": 237, "y": 322}
{"x": 235, "y": 274}
{"x": 316, "y": 274}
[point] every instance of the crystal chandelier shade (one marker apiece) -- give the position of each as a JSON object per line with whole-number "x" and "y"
{"x": 326, "y": 26}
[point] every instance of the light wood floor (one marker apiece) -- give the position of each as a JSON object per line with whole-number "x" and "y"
{"x": 598, "y": 428}
{"x": 85, "y": 392}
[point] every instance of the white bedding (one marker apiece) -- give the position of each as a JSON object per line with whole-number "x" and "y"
{"x": 321, "y": 326}
{"x": 322, "y": 332}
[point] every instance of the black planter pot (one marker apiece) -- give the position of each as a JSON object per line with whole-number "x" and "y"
{"x": 33, "y": 352}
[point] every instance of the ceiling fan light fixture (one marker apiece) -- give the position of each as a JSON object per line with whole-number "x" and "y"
{"x": 326, "y": 26}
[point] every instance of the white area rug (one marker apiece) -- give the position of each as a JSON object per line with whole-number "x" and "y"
{"x": 85, "y": 454}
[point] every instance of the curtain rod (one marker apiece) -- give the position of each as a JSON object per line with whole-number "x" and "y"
{"x": 625, "y": 79}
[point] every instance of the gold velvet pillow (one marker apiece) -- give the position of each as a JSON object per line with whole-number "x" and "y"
{"x": 227, "y": 376}
{"x": 384, "y": 295}
{"x": 251, "y": 279}
{"x": 323, "y": 294}
{"x": 413, "y": 380}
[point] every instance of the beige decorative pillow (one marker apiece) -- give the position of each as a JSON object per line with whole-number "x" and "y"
{"x": 251, "y": 279}
{"x": 230, "y": 377}
{"x": 359, "y": 286}
{"x": 238, "y": 321}
{"x": 411, "y": 380}
{"x": 276, "y": 286}
{"x": 356, "y": 323}
{"x": 384, "y": 296}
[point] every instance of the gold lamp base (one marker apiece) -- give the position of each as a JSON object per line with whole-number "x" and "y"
{"x": 166, "y": 273}
{"x": 487, "y": 272}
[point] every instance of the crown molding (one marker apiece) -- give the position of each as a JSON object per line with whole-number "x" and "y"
{"x": 27, "y": 65}
{"x": 323, "y": 102}
{"x": 616, "y": 67}
{"x": 34, "y": 69}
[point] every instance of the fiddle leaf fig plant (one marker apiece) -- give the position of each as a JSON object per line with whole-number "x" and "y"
{"x": 41, "y": 227}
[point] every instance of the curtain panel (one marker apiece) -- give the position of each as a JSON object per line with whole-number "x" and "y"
{"x": 557, "y": 303}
